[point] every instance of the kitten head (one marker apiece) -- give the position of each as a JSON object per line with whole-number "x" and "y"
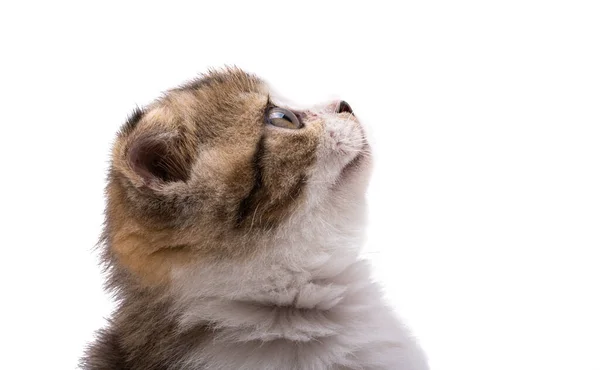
{"x": 216, "y": 167}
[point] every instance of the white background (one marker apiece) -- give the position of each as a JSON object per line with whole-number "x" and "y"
{"x": 485, "y": 118}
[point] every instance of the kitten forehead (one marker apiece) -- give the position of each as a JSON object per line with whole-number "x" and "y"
{"x": 234, "y": 77}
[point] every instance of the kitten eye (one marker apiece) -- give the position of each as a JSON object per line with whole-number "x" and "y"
{"x": 282, "y": 117}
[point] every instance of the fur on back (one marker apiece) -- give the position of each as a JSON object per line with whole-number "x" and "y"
{"x": 233, "y": 243}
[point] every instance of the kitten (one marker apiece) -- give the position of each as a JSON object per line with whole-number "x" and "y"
{"x": 233, "y": 227}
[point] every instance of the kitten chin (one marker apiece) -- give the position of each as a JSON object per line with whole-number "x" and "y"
{"x": 233, "y": 226}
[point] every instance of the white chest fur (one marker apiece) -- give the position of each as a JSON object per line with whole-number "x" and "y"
{"x": 330, "y": 316}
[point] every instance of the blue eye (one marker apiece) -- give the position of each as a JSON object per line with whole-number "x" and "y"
{"x": 282, "y": 117}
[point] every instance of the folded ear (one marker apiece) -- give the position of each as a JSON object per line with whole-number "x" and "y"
{"x": 154, "y": 148}
{"x": 153, "y": 158}
{"x": 158, "y": 159}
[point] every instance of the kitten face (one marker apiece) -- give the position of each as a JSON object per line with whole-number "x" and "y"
{"x": 213, "y": 168}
